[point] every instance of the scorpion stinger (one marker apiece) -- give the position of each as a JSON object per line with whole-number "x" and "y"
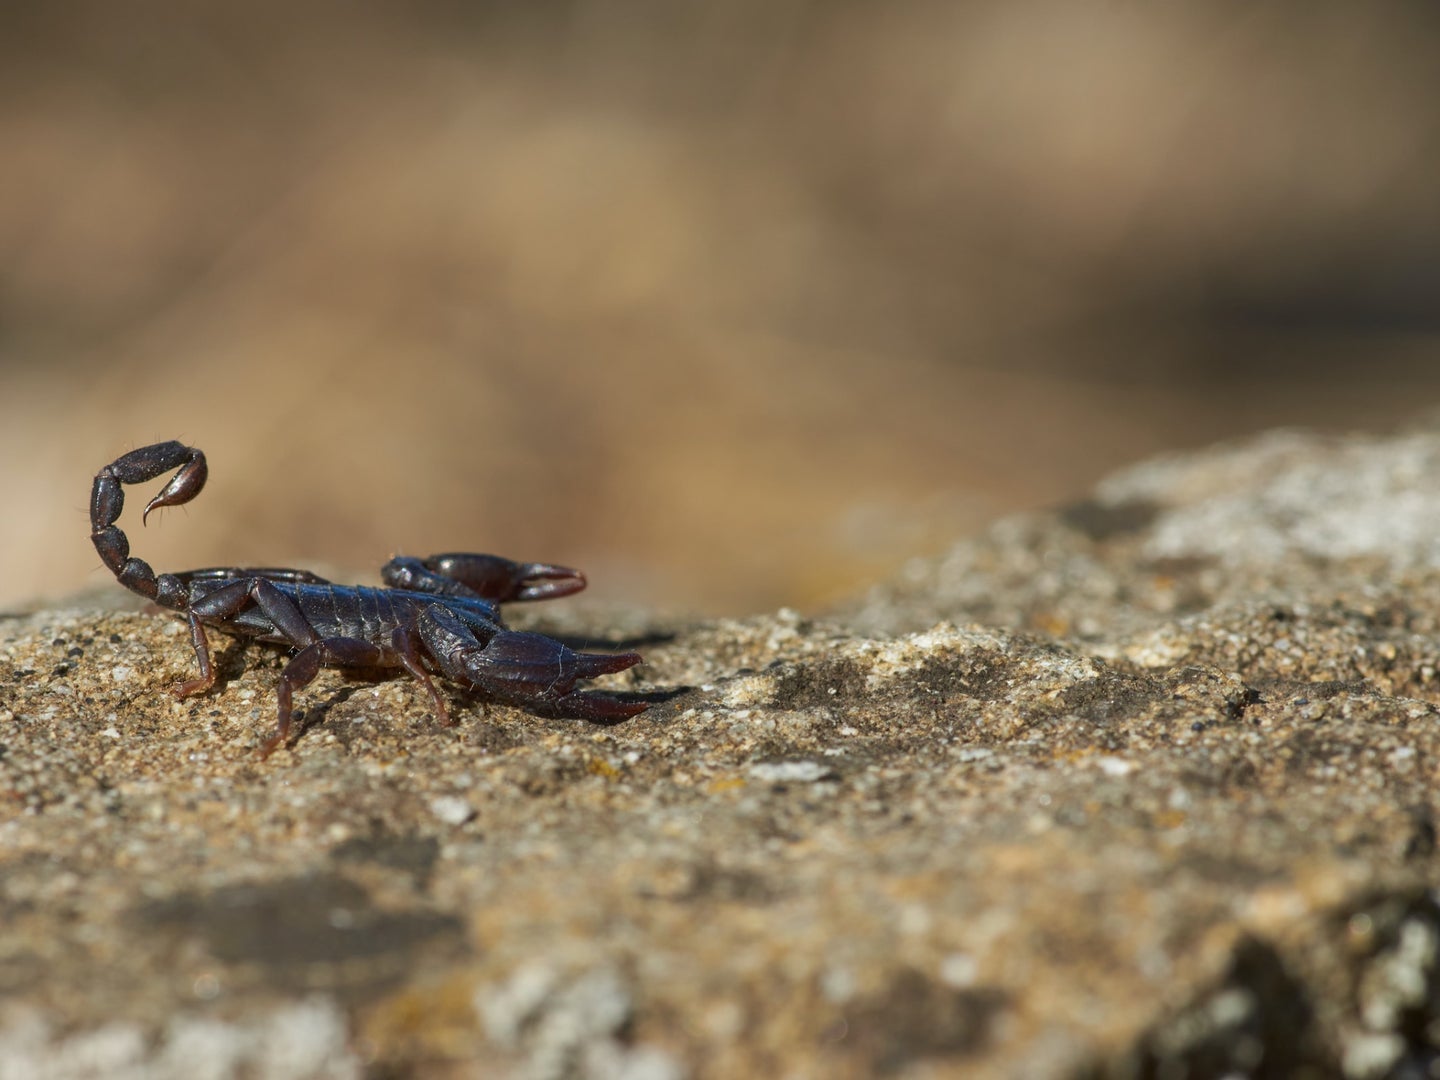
{"x": 107, "y": 500}
{"x": 438, "y": 614}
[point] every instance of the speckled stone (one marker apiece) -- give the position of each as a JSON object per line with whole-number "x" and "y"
{"x": 1140, "y": 787}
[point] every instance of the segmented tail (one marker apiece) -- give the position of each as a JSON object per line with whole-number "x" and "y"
{"x": 107, "y": 500}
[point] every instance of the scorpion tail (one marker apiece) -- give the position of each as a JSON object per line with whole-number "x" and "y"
{"x": 107, "y": 500}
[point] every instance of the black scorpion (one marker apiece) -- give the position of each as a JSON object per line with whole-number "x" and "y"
{"x": 440, "y": 613}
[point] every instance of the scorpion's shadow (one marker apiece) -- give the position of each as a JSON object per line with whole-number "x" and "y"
{"x": 238, "y": 656}
{"x": 473, "y": 699}
{"x": 316, "y": 714}
{"x": 585, "y": 643}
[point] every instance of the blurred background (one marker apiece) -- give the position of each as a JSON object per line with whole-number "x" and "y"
{"x": 733, "y": 304}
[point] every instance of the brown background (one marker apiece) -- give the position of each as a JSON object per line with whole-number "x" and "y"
{"x": 732, "y": 304}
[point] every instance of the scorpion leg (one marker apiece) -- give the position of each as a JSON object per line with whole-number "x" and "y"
{"x": 487, "y": 576}
{"x": 229, "y": 600}
{"x": 201, "y": 644}
{"x": 406, "y": 644}
{"x": 301, "y": 671}
{"x": 219, "y": 604}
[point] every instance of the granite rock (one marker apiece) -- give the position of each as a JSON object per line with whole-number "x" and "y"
{"x": 1139, "y": 787}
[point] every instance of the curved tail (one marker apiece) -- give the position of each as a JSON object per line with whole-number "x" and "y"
{"x": 107, "y": 500}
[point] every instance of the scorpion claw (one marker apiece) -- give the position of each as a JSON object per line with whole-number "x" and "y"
{"x": 589, "y": 665}
{"x": 541, "y": 581}
{"x": 502, "y": 580}
{"x": 592, "y": 705}
{"x": 534, "y": 671}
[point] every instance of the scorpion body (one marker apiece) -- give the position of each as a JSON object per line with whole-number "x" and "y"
{"x": 439, "y": 614}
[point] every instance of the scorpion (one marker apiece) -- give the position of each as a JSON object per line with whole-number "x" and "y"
{"x": 439, "y": 614}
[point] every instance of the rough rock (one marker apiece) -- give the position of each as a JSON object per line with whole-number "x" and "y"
{"x": 1142, "y": 787}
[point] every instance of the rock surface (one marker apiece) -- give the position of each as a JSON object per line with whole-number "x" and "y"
{"x": 1142, "y": 787}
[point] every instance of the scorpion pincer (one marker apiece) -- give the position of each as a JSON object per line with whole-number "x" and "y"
{"x": 439, "y": 614}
